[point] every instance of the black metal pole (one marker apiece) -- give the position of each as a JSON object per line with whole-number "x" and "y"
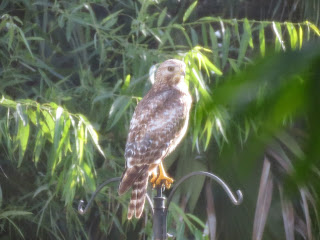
{"x": 159, "y": 216}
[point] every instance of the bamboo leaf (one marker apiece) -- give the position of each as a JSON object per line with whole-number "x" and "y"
{"x": 211, "y": 66}
{"x": 162, "y": 16}
{"x": 293, "y": 35}
{"x": 234, "y": 65}
{"x": 21, "y": 114}
{"x": 39, "y": 143}
{"x": 14, "y": 213}
{"x": 236, "y": 29}
{"x": 81, "y": 139}
{"x": 194, "y": 37}
{"x": 23, "y": 136}
{"x": 204, "y": 35}
{"x": 215, "y": 48}
{"x": 126, "y": 83}
{"x": 54, "y": 154}
{"x": 278, "y": 40}
{"x": 25, "y": 41}
{"x": 314, "y": 28}
{"x": 117, "y": 109}
{"x": 300, "y": 36}
{"x": 208, "y": 130}
{"x": 247, "y": 29}
{"x": 189, "y": 11}
{"x": 196, "y": 219}
{"x": 93, "y": 133}
{"x": 262, "y": 40}
{"x": 225, "y": 47}
{"x": 184, "y": 33}
{"x": 245, "y": 39}
{"x": 263, "y": 202}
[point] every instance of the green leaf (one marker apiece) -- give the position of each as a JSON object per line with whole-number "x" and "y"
{"x": 93, "y": 133}
{"x": 184, "y": 33}
{"x": 234, "y": 65}
{"x": 211, "y": 66}
{"x": 214, "y": 45}
{"x": 111, "y": 19}
{"x": 126, "y": 83}
{"x": 208, "y": 129}
{"x": 196, "y": 219}
{"x": 204, "y": 35}
{"x": 300, "y": 36}
{"x": 39, "y": 143}
{"x": 81, "y": 139}
{"x": 23, "y": 136}
{"x": 247, "y": 29}
{"x": 25, "y": 42}
{"x": 14, "y": 213}
{"x": 21, "y": 114}
{"x": 11, "y": 36}
{"x": 278, "y": 40}
{"x": 262, "y": 40}
{"x": 54, "y": 154}
{"x": 47, "y": 124}
{"x": 117, "y": 109}
{"x": 314, "y": 28}
{"x": 162, "y": 16}
{"x": 189, "y": 11}
{"x": 225, "y": 46}
{"x": 194, "y": 37}
{"x": 293, "y": 35}
{"x": 245, "y": 39}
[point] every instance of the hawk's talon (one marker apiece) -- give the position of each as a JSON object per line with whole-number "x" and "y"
{"x": 154, "y": 179}
{"x": 161, "y": 179}
{"x": 164, "y": 180}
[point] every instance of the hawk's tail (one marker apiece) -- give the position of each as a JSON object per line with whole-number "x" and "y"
{"x": 138, "y": 196}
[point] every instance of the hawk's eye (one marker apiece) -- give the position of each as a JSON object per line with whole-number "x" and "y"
{"x": 170, "y": 69}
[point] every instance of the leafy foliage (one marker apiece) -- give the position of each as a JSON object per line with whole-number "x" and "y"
{"x": 71, "y": 75}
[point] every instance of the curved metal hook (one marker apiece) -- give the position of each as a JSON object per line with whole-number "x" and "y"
{"x": 235, "y": 201}
{"x": 81, "y": 203}
{"x": 83, "y": 210}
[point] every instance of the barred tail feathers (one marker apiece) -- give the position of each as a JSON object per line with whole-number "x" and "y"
{"x": 130, "y": 176}
{"x": 138, "y": 196}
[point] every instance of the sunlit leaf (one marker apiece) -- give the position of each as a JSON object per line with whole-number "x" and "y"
{"x": 262, "y": 40}
{"x": 278, "y": 40}
{"x": 23, "y": 136}
{"x": 248, "y": 30}
{"x": 54, "y": 154}
{"x": 300, "y": 36}
{"x": 314, "y": 28}
{"x": 293, "y": 35}
{"x": 93, "y": 133}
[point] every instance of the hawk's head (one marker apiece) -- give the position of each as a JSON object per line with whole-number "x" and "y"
{"x": 170, "y": 72}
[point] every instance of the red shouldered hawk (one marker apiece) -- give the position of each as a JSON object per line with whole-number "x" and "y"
{"x": 158, "y": 124}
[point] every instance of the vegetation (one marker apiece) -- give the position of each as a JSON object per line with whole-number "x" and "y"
{"x": 71, "y": 73}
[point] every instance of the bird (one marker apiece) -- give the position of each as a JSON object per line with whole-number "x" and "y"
{"x": 158, "y": 125}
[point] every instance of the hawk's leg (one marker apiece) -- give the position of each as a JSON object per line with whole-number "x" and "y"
{"x": 162, "y": 178}
{"x": 154, "y": 178}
